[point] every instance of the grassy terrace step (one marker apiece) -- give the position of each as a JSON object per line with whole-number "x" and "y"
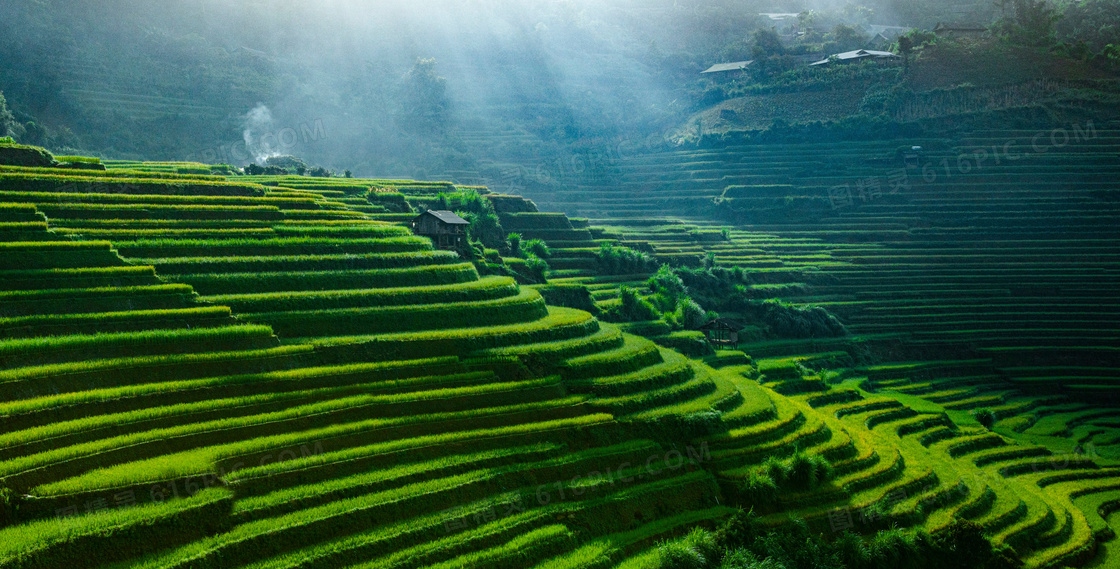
{"x": 596, "y": 512}
{"x": 488, "y": 288}
{"x": 667, "y": 369}
{"x": 133, "y": 186}
{"x": 126, "y": 235}
{"x": 267, "y": 247}
{"x": 525, "y": 306}
{"x": 92, "y": 201}
{"x": 115, "y": 322}
{"x": 380, "y": 399}
{"x": 114, "y": 535}
{"x": 42, "y": 351}
{"x": 607, "y": 338}
{"x": 28, "y": 256}
{"x": 634, "y": 354}
{"x": 518, "y": 466}
{"x": 560, "y": 324}
{"x": 301, "y": 281}
{"x": 102, "y": 299}
{"x": 672, "y": 400}
{"x": 59, "y": 214}
{"x": 602, "y": 554}
{"x": 280, "y": 264}
{"x": 150, "y": 457}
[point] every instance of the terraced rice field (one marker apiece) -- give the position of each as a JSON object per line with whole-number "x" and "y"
{"x": 299, "y": 384}
{"x": 272, "y": 372}
{"x": 981, "y": 270}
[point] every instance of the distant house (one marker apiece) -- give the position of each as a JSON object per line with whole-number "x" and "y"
{"x": 878, "y": 42}
{"x": 858, "y": 55}
{"x": 779, "y": 16}
{"x": 446, "y": 230}
{"x": 726, "y": 67}
{"x": 889, "y": 32}
{"x": 722, "y": 332}
{"x": 959, "y": 30}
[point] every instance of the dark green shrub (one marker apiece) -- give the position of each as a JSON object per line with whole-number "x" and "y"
{"x": 26, "y": 156}
{"x": 807, "y": 472}
{"x": 9, "y": 507}
{"x": 612, "y": 260}
{"x": 786, "y": 321}
{"x": 759, "y": 489}
{"x": 537, "y": 247}
{"x": 698, "y": 550}
{"x": 633, "y": 307}
{"x": 985, "y": 417}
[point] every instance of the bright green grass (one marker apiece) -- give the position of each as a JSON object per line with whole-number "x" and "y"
{"x": 78, "y": 321}
{"x": 303, "y": 281}
{"x": 525, "y": 306}
{"x": 327, "y": 399}
{"x": 488, "y": 288}
{"x": 203, "y": 459}
{"x": 141, "y": 340}
{"x": 252, "y": 264}
{"x": 25, "y": 542}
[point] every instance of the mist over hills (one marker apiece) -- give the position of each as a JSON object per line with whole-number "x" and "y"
{"x": 170, "y": 79}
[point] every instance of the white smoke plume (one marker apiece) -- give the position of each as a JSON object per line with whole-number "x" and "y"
{"x": 259, "y": 122}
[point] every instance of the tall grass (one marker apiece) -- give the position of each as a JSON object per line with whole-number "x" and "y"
{"x": 389, "y": 377}
{"x": 278, "y": 264}
{"x": 428, "y": 398}
{"x": 105, "y": 200}
{"x": 257, "y": 247}
{"x": 137, "y": 186}
{"x": 143, "y": 458}
{"x": 115, "y": 534}
{"x": 560, "y": 324}
{"x": 525, "y": 306}
{"x": 115, "y": 211}
{"x": 80, "y": 346}
{"x": 238, "y": 283}
{"x": 484, "y": 289}
{"x": 44, "y": 279}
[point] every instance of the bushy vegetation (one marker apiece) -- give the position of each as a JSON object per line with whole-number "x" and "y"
{"x": 743, "y": 542}
{"x": 803, "y": 472}
{"x": 615, "y": 260}
{"x": 786, "y": 321}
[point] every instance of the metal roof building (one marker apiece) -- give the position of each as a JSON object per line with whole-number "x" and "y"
{"x": 850, "y": 56}
{"x": 724, "y": 67}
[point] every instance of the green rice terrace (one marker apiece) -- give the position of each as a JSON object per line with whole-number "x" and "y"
{"x": 273, "y": 371}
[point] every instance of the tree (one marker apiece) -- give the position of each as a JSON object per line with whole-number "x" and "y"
{"x": 9, "y": 126}
{"x": 425, "y": 97}
{"x": 1032, "y": 22}
{"x": 905, "y": 47}
{"x": 767, "y": 43}
{"x": 848, "y": 37}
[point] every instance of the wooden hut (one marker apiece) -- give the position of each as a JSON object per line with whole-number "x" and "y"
{"x": 446, "y": 230}
{"x": 722, "y": 332}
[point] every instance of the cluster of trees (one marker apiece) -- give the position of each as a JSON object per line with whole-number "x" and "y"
{"x": 288, "y": 165}
{"x": 802, "y": 472}
{"x": 615, "y": 260}
{"x": 727, "y": 291}
{"x": 669, "y": 302}
{"x": 744, "y": 542}
{"x": 687, "y": 298}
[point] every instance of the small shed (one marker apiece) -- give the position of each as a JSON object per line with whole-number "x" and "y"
{"x": 959, "y": 30}
{"x": 726, "y": 67}
{"x": 446, "y": 230}
{"x": 722, "y": 332}
{"x": 858, "y": 55}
